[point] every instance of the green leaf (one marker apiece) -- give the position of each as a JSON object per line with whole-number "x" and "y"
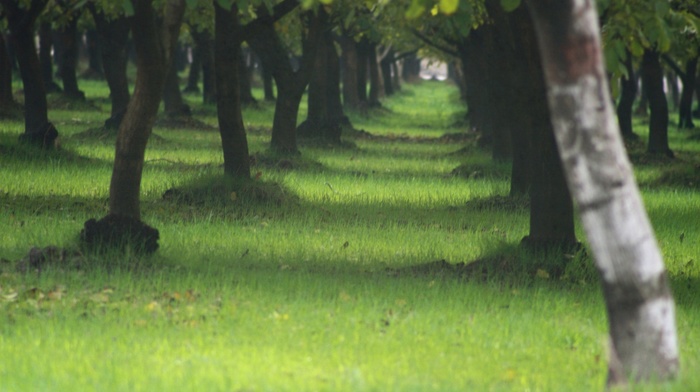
{"x": 191, "y": 4}
{"x": 416, "y": 9}
{"x": 510, "y": 5}
{"x": 225, "y": 4}
{"x": 448, "y": 7}
{"x": 128, "y": 8}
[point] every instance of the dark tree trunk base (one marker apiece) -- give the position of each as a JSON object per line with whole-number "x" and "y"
{"x": 546, "y": 244}
{"x": 116, "y": 232}
{"x": 45, "y": 137}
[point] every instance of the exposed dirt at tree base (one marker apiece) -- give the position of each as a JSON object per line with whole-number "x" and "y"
{"x": 115, "y": 232}
{"x": 39, "y": 259}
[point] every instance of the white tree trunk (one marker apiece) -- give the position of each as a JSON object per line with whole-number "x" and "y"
{"x": 638, "y": 299}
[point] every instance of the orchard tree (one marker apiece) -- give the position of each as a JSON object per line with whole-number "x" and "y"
{"x": 639, "y": 304}
{"x": 21, "y": 18}
{"x": 154, "y": 43}
{"x": 646, "y": 30}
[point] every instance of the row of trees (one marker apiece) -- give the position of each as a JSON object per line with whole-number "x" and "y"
{"x": 502, "y": 50}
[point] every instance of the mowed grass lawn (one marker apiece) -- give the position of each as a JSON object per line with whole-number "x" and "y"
{"x": 319, "y": 286}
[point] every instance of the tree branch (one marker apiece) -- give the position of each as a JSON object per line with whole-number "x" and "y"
{"x": 665, "y": 57}
{"x": 434, "y": 44}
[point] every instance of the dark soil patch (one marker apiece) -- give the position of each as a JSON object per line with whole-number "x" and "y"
{"x": 184, "y": 122}
{"x": 39, "y": 259}
{"x": 448, "y": 138}
{"x": 476, "y": 171}
{"x": 120, "y": 233}
{"x": 224, "y": 191}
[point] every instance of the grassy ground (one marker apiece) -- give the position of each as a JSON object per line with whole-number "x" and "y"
{"x": 333, "y": 282}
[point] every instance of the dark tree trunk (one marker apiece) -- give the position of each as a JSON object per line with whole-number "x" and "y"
{"x": 351, "y": 97}
{"x": 94, "y": 50}
{"x": 685, "y": 115}
{"x": 653, "y": 80}
{"x": 45, "y": 57}
{"x": 628, "y": 87}
{"x": 194, "y": 71}
{"x": 173, "y": 102}
{"x": 245, "y": 80}
{"x": 411, "y": 68}
{"x": 205, "y": 60}
{"x": 672, "y": 83}
{"x": 536, "y": 164}
{"x": 386, "y": 64}
{"x": 375, "y": 81}
{"x": 268, "y": 87}
{"x": 6, "y": 98}
{"x": 325, "y": 112}
{"x": 114, "y": 34}
{"x": 363, "y": 48}
{"x": 291, "y": 84}
{"x": 396, "y": 74}
{"x": 67, "y": 68}
{"x": 227, "y": 62}
{"x": 154, "y": 51}
{"x": 643, "y": 106}
{"x": 37, "y": 128}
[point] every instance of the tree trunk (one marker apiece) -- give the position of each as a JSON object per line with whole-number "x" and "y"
{"x": 7, "y": 100}
{"x": 69, "y": 59}
{"x": 37, "y": 128}
{"x": 205, "y": 60}
{"x": 637, "y": 295}
{"x": 291, "y": 84}
{"x": 45, "y": 57}
{"x": 351, "y": 97}
{"x": 627, "y": 96}
{"x": 411, "y": 68}
{"x": 653, "y": 80}
{"x": 672, "y": 83}
{"x": 386, "y": 63}
{"x": 114, "y": 34}
{"x": 154, "y": 51}
{"x": 685, "y": 112}
{"x": 268, "y": 87}
{"x": 174, "y": 104}
{"x": 375, "y": 81}
{"x": 362, "y": 67}
{"x": 228, "y": 100}
{"x": 325, "y": 112}
{"x": 94, "y": 50}
{"x": 195, "y": 68}
{"x": 245, "y": 80}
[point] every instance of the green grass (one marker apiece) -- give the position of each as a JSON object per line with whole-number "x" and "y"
{"x": 319, "y": 292}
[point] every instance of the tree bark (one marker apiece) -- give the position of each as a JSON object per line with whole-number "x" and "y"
{"x": 67, "y": 68}
{"x": 37, "y": 128}
{"x": 228, "y": 100}
{"x": 246, "y": 73}
{"x": 174, "y": 104}
{"x": 205, "y": 60}
{"x": 637, "y": 295}
{"x": 362, "y": 68}
{"x": 351, "y": 97}
{"x": 7, "y": 100}
{"x": 114, "y": 34}
{"x": 685, "y": 107}
{"x": 45, "y": 57}
{"x": 628, "y": 94}
{"x": 291, "y": 84}
{"x": 386, "y": 64}
{"x": 653, "y": 81}
{"x": 268, "y": 87}
{"x": 325, "y": 116}
{"x": 154, "y": 51}
{"x": 375, "y": 80}
{"x": 94, "y": 51}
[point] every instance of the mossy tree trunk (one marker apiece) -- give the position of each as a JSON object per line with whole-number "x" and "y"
{"x": 639, "y": 305}
{"x": 227, "y": 62}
